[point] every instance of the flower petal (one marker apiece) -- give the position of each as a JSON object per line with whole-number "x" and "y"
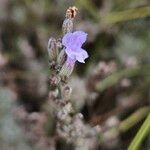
{"x": 70, "y": 53}
{"x": 81, "y": 37}
{"x": 67, "y": 39}
{"x": 82, "y": 56}
{"x": 73, "y": 42}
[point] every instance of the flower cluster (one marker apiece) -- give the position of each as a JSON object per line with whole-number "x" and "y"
{"x": 64, "y": 53}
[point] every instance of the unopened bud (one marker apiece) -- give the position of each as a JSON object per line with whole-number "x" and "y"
{"x": 67, "y": 25}
{"x": 61, "y": 57}
{"x": 67, "y": 69}
{"x": 68, "y": 22}
{"x": 52, "y": 49}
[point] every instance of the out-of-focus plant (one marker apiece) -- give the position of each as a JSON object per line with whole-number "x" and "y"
{"x": 11, "y": 135}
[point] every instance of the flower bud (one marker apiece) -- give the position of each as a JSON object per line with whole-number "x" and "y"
{"x": 52, "y": 49}
{"x": 67, "y": 68}
{"x": 68, "y": 22}
{"x": 61, "y": 57}
{"x": 67, "y": 25}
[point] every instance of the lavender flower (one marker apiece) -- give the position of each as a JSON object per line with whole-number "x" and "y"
{"x": 73, "y": 42}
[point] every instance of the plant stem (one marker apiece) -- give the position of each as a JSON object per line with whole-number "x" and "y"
{"x": 142, "y": 133}
{"x": 135, "y": 13}
{"x": 114, "y": 17}
{"x": 134, "y": 119}
{"x": 115, "y": 77}
{"x": 127, "y": 124}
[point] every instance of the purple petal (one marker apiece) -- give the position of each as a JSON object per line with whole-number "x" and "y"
{"x": 81, "y": 36}
{"x": 67, "y": 39}
{"x": 73, "y": 42}
{"x": 82, "y": 56}
{"x": 70, "y": 53}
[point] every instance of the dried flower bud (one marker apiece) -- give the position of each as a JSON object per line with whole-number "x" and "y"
{"x": 61, "y": 57}
{"x": 53, "y": 94}
{"x": 52, "y": 49}
{"x": 71, "y": 12}
{"x": 67, "y": 93}
{"x": 59, "y": 43}
{"x": 54, "y": 80}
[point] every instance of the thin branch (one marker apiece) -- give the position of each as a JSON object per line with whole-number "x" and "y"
{"x": 142, "y": 133}
{"x": 116, "y": 77}
{"x": 134, "y": 119}
{"x": 135, "y": 13}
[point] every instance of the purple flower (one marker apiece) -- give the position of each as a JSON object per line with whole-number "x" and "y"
{"x": 73, "y": 42}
